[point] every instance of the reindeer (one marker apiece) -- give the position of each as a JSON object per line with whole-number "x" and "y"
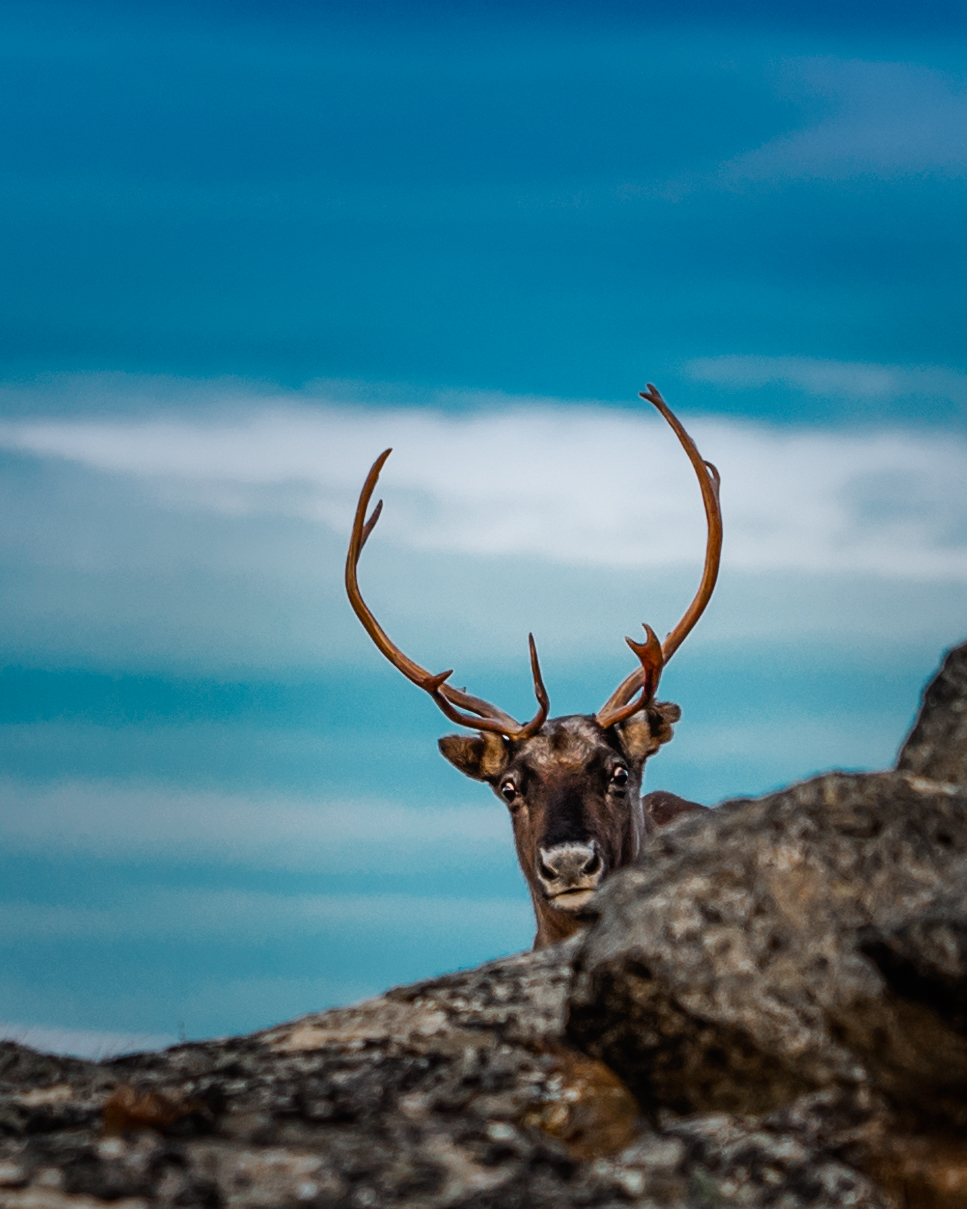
{"x": 572, "y": 784}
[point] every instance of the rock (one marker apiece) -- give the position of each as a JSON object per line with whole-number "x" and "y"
{"x": 937, "y": 746}
{"x": 733, "y": 969}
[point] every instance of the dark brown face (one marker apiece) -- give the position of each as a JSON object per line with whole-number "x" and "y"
{"x": 574, "y": 794}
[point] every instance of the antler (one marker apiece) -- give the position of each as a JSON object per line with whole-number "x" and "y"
{"x": 655, "y": 655}
{"x": 486, "y": 716}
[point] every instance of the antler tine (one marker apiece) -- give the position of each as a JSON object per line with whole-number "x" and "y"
{"x": 370, "y": 525}
{"x": 649, "y": 652}
{"x": 709, "y": 481}
{"x": 483, "y": 715}
{"x": 503, "y": 723}
{"x": 540, "y": 692}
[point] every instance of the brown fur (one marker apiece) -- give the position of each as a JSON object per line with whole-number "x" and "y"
{"x": 568, "y": 801}
{"x": 662, "y": 807}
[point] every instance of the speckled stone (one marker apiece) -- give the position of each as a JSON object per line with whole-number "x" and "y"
{"x": 742, "y": 963}
{"x": 937, "y": 745}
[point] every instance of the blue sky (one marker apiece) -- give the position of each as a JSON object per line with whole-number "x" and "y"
{"x": 245, "y": 247}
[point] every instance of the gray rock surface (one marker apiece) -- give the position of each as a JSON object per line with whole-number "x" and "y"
{"x": 937, "y": 745}
{"x": 747, "y": 962}
{"x": 770, "y": 1011}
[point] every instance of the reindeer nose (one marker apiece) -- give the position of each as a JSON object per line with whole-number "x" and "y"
{"x": 570, "y": 865}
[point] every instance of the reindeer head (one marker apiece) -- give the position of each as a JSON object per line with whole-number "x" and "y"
{"x": 574, "y": 795}
{"x": 572, "y": 784}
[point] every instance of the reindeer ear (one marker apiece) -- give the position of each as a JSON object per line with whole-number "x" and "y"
{"x": 642, "y": 734}
{"x": 635, "y": 736}
{"x": 483, "y": 756}
{"x": 662, "y": 715}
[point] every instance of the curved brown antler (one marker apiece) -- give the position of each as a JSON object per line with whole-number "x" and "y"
{"x": 654, "y": 656}
{"x": 450, "y": 700}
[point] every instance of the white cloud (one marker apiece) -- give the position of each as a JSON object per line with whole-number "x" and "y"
{"x": 578, "y": 485}
{"x": 846, "y": 380}
{"x": 263, "y": 830}
{"x": 82, "y": 1043}
{"x": 195, "y": 1007}
{"x": 244, "y": 917}
{"x": 885, "y": 120}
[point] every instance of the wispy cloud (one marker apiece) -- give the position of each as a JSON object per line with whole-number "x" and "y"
{"x": 825, "y": 378}
{"x": 254, "y": 918}
{"x": 265, "y": 831}
{"x": 197, "y": 1007}
{"x": 578, "y": 485}
{"x": 883, "y": 120}
{"x": 82, "y": 1043}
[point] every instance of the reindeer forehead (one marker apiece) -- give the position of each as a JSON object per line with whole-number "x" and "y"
{"x": 565, "y": 744}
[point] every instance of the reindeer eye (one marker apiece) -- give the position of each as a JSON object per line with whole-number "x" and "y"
{"x": 508, "y": 791}
{"x": 620, "y": 776}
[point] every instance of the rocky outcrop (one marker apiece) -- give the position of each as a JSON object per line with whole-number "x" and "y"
{"x": 937, "y": 746}
{"x": 456, "y": 1092}
{"x": 770, "y": 1010}
{"x": 805, "y": 952}
{"x": 771, "y": 948}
